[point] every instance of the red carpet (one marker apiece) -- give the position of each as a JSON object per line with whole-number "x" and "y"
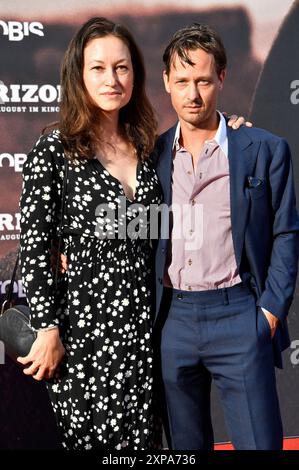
{"x": 289, "y": 443}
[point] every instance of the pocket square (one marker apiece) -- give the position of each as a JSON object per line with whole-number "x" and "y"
{"x": 254, "y": 181}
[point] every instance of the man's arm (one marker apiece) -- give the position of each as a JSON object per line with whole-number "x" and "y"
{"x": 282, "y": 272}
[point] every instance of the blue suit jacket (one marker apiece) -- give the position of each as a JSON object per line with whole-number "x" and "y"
{"x": 265, "y": 223}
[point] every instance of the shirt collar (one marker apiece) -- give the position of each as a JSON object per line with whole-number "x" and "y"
{"x": 220, "y": 136}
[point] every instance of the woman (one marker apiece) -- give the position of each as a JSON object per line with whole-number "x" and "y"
{"x": 97, "y": 325}
{"x": 102, "y": 329}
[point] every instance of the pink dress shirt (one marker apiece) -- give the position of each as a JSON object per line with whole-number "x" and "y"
{"x": 201, "y": 254}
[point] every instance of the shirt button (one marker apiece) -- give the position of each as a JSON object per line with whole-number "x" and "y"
{"x": 189, "y": 172}
{"x": 200, "y": 175}
{"x": 189, "y": 262}
{"x": 191, "y": 231}
{"x": 189, "y": 288}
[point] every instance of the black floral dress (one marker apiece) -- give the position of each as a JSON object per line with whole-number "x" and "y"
{"x": 103, "y": 305}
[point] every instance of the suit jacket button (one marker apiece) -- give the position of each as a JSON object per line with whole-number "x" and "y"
{"x": 160, "y": 280}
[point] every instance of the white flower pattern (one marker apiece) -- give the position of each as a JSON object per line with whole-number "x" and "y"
{"x": 103, "y": 304}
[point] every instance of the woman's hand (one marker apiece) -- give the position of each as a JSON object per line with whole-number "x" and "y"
{"x": 45, "y": 355}
{"x": 235, "y": 121}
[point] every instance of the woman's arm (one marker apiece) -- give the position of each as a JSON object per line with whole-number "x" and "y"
{"x": 40, "y": 205}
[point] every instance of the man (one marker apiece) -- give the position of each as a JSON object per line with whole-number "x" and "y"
{"x": 226, "y": 284}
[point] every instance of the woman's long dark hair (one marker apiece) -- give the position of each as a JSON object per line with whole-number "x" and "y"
{"x": 77, "y": 124}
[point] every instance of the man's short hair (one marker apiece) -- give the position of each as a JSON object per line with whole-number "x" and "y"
{"x": 195, "y": 36}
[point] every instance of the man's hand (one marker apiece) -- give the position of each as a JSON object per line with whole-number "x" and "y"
{"x": 272, "y": 320}
{"x": 62, "y": 262}
{"x": 235, "y": 121}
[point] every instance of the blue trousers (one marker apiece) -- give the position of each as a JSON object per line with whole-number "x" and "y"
{"x": 219, "y": 335}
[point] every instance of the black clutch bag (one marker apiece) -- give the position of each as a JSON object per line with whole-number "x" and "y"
{"x": 15, "y": 331}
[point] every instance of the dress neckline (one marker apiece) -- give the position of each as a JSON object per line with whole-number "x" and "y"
{"x": 138, "y": 167}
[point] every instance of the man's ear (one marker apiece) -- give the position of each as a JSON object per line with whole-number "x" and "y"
{"x": 221, "y": 77}
{"x": 166, "y": 81}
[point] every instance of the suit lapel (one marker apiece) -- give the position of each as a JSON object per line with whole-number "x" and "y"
{"x": 164, "y": 164}
{"x": 242, "y": 154}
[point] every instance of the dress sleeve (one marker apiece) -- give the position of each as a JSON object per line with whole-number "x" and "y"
{"x": 40, "y": 206}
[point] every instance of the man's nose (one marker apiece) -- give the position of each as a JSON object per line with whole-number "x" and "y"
{"x": 193, "y": 91}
